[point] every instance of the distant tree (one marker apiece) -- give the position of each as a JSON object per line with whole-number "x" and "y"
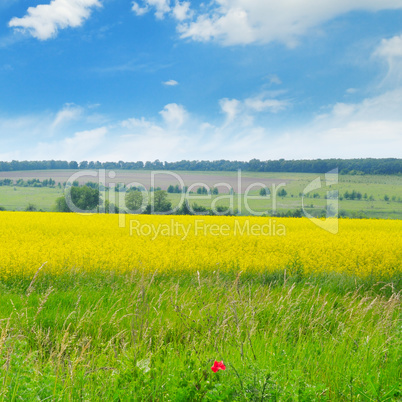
{"x": 148, "y": 210}
{"x": 92, "y": 184}
{"x": 263, "y": 192}
{"x": 2, "y": 208}
{"x": 386, "y": 198}
{"x": 121, "y": 187}
{"x": 134, "y": 200}
{"x": 345, "y": 166}
{"x": 202, "y": 190}
{"x": 110, "y": 208}
{"x": 282, "y": 192}
{"x": 199, "y": 209}
{"x": 6, "y": 182}
{"x": 30, "y": 208}
{"x": 170, "y": 189}
{"x": 298, "y": 213}
{"x": 83, "y": 198}
{"x": 215, "y": 191}
{"x": 184, "y": 209}
{"x": 161, "y": 203}
{"x": 61, "y": 205}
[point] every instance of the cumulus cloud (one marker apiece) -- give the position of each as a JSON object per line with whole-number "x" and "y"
{"x": 243, "y": 111}
{"x": 231, "y": 107}
{"x": 161, "y": 7}
{"x": 138, "y": 10}
{"x": 170, "y": 83}
{"x": 180, "y": 11}
{"x": 45, "y": 20}
{"x": 174, "y": 115}
{"x": 390, "y": 48}
{"x": 239, "y": 22}
{"x": 369, "y": 128}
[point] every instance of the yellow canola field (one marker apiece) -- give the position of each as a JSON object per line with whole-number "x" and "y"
{"x": 69, "y": 242}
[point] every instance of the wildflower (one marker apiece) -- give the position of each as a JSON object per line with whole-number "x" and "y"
{"x": 218, "y": 366}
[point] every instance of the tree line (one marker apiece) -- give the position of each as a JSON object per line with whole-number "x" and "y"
{"x": 29, "y": 183}
{"x": 362, "y": 166}
{"x": 89, "y": 199}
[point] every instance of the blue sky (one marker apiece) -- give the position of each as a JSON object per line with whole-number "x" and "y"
{"x": 225, "y": 79}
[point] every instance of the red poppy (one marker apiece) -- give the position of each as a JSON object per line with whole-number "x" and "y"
{"x": 218, "y": 366}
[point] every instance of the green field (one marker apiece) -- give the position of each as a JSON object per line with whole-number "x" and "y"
{"x": 18, "y": 198}
{"x": 376, "y": 187}
{"x": 109, "y": 337}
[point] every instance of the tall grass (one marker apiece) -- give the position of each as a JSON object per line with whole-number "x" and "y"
{"x": 155, "y": 337}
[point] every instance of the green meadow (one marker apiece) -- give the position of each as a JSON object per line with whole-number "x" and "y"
{"x": 108, "y": 337}
{"x": 383, "y": 193}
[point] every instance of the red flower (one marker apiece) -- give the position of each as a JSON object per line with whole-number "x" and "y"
{"x": 218, "y": 366}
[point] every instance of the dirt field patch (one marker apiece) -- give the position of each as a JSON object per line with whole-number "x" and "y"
{"x": 163, "y": 179}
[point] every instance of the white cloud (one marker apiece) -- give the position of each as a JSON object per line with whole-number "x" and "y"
{"x": 243, "y": 112}
{"x": 274, "y": 79}
{"x": 384, "y": 107}
{"x": 370, "y": 128}
{"x": 139, "y": 10}
{"x": 174, "y": 115}
{"x": 170, "y": 83}
{"x": 162, "y": 7}
{"x": 82, "y": 145}
{"x": 181, "y": 11}
{"x": 69, "y": 113}
{"x": 231, "y": 107}
{"x": 390, "y": 48}
{"x": 259, "y": 104}
{"x": 234, "y": 22}
{"x": 149, "y": 145}
{"x": 44, "y": 21}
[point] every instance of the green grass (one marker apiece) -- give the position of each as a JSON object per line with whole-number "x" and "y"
{"x": 110, "y": 337}
{"x": 18, "y": 198}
